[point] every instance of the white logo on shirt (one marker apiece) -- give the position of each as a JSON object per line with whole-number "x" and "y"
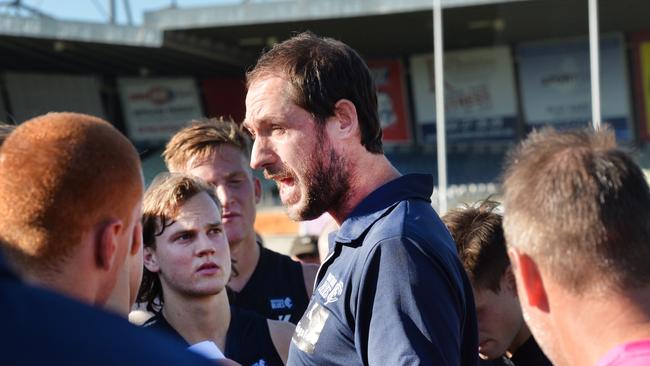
{"x": 285, "y": 303}
{"x": 330, "y": 289}
{"x": 335, "y": 293}
{"x": 310, "y": 327}
{"x": 261, "y": 362}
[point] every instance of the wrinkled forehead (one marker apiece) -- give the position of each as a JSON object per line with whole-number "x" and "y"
{"x": 266, "y": 98}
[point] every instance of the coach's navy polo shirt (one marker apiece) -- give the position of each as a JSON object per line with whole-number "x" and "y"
{"x": 392, "y": 290}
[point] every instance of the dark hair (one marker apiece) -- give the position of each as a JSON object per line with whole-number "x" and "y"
{"x": 580, "y": 207}
{"x": 478, "y": 233}
{"x": 321, "y": 71}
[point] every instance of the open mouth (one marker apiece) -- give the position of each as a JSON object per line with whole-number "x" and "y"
{"x": 286, "y": 187}
{"x": 288, "y": 181}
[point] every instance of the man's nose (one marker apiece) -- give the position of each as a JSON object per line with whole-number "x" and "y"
{"x": 204, "y": 246}
{"x": 224, "y": 195}
{"x": 262, "y": 154}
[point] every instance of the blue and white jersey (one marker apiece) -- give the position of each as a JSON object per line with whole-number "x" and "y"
{"x": 392, "y": 290}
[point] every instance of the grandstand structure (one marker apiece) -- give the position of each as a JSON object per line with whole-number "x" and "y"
{"x": 510, "y": 66}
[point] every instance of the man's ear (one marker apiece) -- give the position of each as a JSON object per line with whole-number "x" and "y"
{"x": 347, "y": 121}
{"x": 137, "y": 239}
{"x": 150, "y": 260}
{"x": 530, "y": 281}
{"x": 508, "y": 280}
{"x": 107, "y": 243}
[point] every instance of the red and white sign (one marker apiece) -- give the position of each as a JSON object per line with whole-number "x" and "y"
{"x": 154, "y": 109}
{"x": 391, "y": 100}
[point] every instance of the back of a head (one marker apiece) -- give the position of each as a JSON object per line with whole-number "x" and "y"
{"x": 61, "y": 174}
{"x": 580, "y": 207}
{"x": 201, "y": 139}
{"x": 478, "y": 233}
{"x": 321, "y": 71}
{"x": 5, "y": 130}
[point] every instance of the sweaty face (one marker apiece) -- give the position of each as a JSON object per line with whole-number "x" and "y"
{"x": 499, "y": 320}
{"x": 192, "y": 256}
{"x": 227, "y": 170}
{"x": 294, "y": 151}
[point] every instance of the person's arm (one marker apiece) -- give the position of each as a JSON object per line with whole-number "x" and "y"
{"x": 309, "y": 272}
{"x": 408, "y": 312}
{"x": 281, "y": 333}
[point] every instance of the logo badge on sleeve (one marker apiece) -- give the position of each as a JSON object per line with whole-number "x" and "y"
{"x": 330, "y": 289}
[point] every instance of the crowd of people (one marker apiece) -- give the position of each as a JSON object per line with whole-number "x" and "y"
{"x": 555, "y": 274}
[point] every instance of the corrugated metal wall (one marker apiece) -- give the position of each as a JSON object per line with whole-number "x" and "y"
{"x": 33, "y": 94}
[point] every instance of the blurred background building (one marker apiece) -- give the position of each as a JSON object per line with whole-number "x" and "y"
{"x": 510, "y": 66}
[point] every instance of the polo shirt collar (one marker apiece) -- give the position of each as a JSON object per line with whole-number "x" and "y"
{"x": 380, "y": 201}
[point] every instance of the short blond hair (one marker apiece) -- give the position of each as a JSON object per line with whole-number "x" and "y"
{"x": 60, "y": 175}
{"x": 201, "y": 139}
{"x": 580, "y": 207}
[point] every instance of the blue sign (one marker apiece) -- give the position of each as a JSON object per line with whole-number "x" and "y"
{"x": 480, "y": 99}
{"x": 555, "y": 83}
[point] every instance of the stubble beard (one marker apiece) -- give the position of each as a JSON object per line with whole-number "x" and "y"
{"x": 324, "y": 186}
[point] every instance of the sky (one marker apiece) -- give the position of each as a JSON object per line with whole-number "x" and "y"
{"x": 97, "y": 10}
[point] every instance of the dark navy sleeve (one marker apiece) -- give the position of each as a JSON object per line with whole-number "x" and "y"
{"x": 407, "y": 309}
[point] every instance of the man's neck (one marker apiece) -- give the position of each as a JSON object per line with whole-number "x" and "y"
{"x": 522, "y": 336}
{"x": 364, "y": 181}
{"x": 66, "y": 280}
{"x": 198, "y": 318}
{"x": 607, "y": 321}
{"x": 246, "y": 255}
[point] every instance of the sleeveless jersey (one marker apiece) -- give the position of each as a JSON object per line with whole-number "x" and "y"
{"x": 248, "y": 340}
{"x": 276, "y": 290}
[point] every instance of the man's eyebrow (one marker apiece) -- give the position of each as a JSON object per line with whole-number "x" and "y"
{"x": 266, "y": 120}
{"x": 180, "y": 231}
{"x": 235, "y": 174}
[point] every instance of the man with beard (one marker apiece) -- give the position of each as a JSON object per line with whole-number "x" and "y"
{"x": 392, "y": 290}
{"x": 577, "y": 223}
{"x": 269, "y": 283}
{"x": 504, "y": 337}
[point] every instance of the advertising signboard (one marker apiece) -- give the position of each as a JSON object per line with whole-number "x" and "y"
{"x": 556, "y": 85}
{"x": 391, "y": 100}
{"x": 641, "y": 65}
{"x": 480, "y": 100}
{"x": 154, "y": 109}
{"x": 33, "y": 94}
